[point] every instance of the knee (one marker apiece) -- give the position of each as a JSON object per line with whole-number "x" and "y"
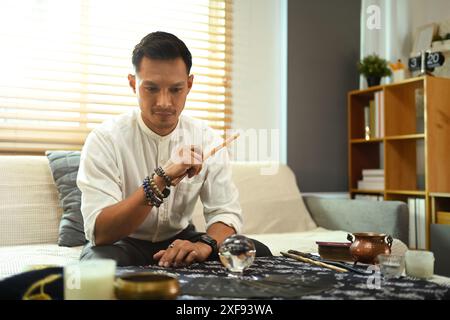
{"x": 105, "y": 252}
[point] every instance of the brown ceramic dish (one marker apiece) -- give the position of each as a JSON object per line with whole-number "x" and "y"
{"x": 146, "y": 286}
{"x": 336, "y": 251}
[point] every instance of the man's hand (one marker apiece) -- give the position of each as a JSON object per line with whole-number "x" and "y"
{"x": 186, "y": 160}
{"x": 183, "y": 253}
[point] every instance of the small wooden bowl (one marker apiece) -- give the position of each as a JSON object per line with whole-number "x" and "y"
{"x": 337, "y": 251}
{"x": 147, "y": 286}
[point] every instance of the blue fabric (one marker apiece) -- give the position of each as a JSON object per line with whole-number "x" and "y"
{"x": 64, "y": 167}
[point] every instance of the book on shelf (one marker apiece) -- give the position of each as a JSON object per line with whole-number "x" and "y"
{"x": 368, "y": 185}
{"x": 417, "y": 223}
{"x": 379, "y": 107}
{"x": 421, "y": 223}
{"x": 412, "y": 223}
{"x": 367, "y": 125}
{"x": 372, "y": 179}
{"x": 374, "y": 117}
{"x": 373, "y": 172}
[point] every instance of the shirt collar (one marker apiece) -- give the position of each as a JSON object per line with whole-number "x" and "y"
{"x": 150, "y": 132}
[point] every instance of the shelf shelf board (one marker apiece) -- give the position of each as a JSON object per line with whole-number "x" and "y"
{"x": 407, "y": 192}
{"x": 367, "y": 191}
{"x": 371, "y": 90}
{"x": 374, "y": 140}
{"x": 406, "y": 137}
{"x": 406, "y": 81}
{"x": 439, "y": 194}
{"x": 368, "y": 91}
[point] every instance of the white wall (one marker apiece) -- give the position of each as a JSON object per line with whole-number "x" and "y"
{"x": 392, "y": 40}
{"x": 259, "y": 61}
{"x": 424, "y": 12}
{"x": 427, "y": 11}
{"x": 399, "y": 21}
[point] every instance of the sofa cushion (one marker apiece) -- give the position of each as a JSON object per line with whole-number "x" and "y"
{"x": 15, "y": 259}
{"x": 64, "y": 166}
{"x": 358, "y": 215}
{"x": 29, "y": 206}
{"x": 271, "y": 203}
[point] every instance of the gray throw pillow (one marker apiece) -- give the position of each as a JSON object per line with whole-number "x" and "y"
{"x": 64, "y": 167}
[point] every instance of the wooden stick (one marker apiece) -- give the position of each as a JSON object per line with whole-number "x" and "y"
{"x": 317, "y": 263}
{"x": 214, "y": 150}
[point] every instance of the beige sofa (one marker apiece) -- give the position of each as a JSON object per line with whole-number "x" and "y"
{"x": 274, "y": 213}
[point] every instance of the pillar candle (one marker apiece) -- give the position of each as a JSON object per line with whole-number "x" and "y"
{"x": 90, "y": 280}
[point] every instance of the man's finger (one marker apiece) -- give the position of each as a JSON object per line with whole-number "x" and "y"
{"x": 179, "y": 259}
{"x": 195, "y": 158}
{"x": 191, "y": 158}
{"x": 198, "y": 169}
{"x": 177, "y": 180}
{"x": 159, "y": 254}
{"x": 168, "y": 257}
{"x": 197, "y": 149}
{"x": 194, "y": 170}
{"x": 191, "y": 257}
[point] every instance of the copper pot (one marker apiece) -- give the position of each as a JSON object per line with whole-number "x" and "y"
{"x": 147, "y": 285}
{"x": 366, "y": 246}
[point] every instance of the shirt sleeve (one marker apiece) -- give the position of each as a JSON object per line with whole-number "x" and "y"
{"x": 219, "y": 195}
{"x": 98, "y": 179}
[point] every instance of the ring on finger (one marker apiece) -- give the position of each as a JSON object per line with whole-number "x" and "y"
{"x": 171, "y": 245}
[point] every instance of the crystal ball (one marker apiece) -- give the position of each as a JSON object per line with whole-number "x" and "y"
{"x": 237, "y": 253}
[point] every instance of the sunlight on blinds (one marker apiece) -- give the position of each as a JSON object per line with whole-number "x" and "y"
{"x": 64, "y": 65}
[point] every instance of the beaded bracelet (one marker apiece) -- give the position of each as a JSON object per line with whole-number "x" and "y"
{"x": 152, "y": 198}
{"x": 160, "y": 172}
{"x": 164, "y": 194}
{"x": 147, "y": 190}
{"x": 150, "y": 195}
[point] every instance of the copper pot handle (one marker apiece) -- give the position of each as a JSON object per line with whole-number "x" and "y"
{"x": 389, "y": 241}
{"x": 350, "y": 237}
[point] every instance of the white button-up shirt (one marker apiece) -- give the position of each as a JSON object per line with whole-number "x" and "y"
{"x": 120, "y": 153}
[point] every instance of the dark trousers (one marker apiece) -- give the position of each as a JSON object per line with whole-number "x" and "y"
{"x": 135, "y": 252}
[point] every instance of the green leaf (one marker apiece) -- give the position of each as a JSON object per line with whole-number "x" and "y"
{"x": 373, "y": 65}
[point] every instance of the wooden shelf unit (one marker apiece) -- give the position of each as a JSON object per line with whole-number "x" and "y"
{"x": 415, "y": 149}
{"x": 439, "y": 202}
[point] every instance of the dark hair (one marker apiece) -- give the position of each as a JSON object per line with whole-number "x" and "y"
{"x": 161, "y": 46}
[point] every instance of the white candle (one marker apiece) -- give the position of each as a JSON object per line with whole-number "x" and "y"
{"x": 90, "y": 280}
{"x": 419, "y": 264}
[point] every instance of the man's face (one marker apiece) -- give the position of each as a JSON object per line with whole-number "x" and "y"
{"x": 161, "y": 87}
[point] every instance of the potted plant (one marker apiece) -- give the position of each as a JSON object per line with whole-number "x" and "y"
{"x": 374, "y": 68}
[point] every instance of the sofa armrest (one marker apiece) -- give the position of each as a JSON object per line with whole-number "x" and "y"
{"x": 390, "y": 217}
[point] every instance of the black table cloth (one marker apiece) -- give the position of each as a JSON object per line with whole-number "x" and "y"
{"x": 285, "y": 278}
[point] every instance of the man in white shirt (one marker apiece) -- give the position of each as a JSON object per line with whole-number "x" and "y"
{"x": 141, "y": 173}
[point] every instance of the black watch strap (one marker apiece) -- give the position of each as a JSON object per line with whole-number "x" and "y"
{"x": 209, "y": 241}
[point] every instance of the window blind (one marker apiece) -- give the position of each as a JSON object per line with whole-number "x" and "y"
{"x": 64, "y": 65}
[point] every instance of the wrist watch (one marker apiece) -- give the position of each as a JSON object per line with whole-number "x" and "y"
{"x": 210, "y": 242}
